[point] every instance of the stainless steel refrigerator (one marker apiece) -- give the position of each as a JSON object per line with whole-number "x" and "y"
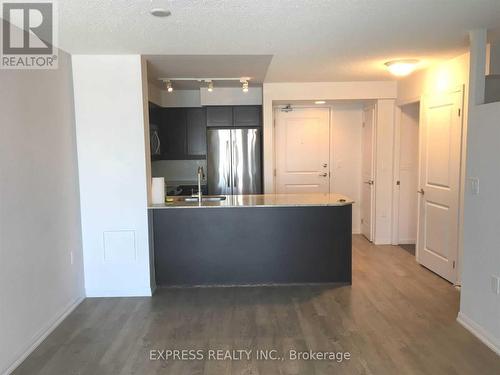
{"x": 234, "y": 161}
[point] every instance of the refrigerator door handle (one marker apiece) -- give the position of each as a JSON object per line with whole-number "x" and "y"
{"x": 228, "y": 176}
{"x": 235, "y": 156}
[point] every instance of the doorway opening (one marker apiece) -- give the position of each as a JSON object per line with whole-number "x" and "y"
{"x": 428, "y": 169}
{"x": 318, "y": 149}
{"x": 408, "y": 176}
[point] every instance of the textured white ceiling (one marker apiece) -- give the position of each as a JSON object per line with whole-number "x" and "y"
{"x": 315, "y": 40}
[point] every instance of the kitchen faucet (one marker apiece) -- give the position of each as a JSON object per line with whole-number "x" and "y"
{"x": 201, "y": 175}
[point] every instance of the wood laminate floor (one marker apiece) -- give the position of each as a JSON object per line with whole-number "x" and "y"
{"x": 396, "y": 318}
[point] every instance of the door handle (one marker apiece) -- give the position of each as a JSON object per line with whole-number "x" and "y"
{"x": 323, "y": 174}
{"x": 421, "y": 191}
{"x": 369, "y": 182}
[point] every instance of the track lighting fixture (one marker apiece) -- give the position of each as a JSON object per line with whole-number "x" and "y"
{"x": 207, "y": 82}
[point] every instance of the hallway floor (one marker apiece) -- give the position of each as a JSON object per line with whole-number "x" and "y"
{"x": 396, "y": 318}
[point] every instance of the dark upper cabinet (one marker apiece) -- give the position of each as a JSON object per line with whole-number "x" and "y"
{"x": 154, "y": 114}
{"x": 247, "y": 116}
{"x": 219, "y": 116}
{"x": 173, "y": 133}
{"x": 196, "y": 132}
{"x": 234, "y": 116}
{"x": 181, "y": 131}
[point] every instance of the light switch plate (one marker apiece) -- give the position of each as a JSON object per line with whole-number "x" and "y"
{"x": 474, "y": 185}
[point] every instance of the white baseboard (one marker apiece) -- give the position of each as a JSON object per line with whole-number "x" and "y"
{"x": 407, "y": 242}
{"x": 478, "y": 331}
{"x": 146, "y": 292}
{"x": 42, "y": 335}
{"x": 382, "y": 241}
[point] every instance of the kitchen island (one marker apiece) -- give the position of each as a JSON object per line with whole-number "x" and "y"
{"x": 253, "y": 240}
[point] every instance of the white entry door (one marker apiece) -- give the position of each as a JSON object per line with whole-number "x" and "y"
{"x": 439, "y": 182}
{"x": 367, "y": 172}
{"x": 303, "y": 150}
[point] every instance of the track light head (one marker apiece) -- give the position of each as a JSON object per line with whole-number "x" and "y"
{"x": 169, "y": 86}
{"x": 244, "y": 86}
{"x": 210, "y": 86}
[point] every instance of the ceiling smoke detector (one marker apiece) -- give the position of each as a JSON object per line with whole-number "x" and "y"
{"x": 160, "y": 12}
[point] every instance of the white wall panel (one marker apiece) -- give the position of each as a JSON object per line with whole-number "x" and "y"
{"x": 113, "y": 173}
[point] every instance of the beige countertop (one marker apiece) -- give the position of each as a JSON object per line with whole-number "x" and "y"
{"x": 264, "y": 200}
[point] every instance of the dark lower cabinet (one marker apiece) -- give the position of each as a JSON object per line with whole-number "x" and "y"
{"x": 252, "y": 245}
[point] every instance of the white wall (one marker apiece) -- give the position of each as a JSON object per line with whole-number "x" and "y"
{"x": 40, "y": 282}
{"x": 180, "y": 98}
{"x": 408, "y": 174}
{"x": 442, "y": 77}
{"x": 345, "y": 158}
{"x": 113, "y": 174}
{"x": 310, "y": 91}
{"x": 384, "y": 161}
{"x": 154, "y": 94}
{"x": 479, "y": 306}
{"x": 231, "y": 96}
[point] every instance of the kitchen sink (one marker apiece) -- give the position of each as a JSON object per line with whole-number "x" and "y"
{"x": 206, "y": 198}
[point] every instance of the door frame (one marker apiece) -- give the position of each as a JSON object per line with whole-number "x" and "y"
{"x": 276, "y": 110}
{"x": 396, "y": 176}
{"x": 397, "y": 164}
{"x": 373, "y": 202}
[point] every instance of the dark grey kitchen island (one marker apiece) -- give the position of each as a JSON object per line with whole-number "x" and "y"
{"x": 253, "y": 240}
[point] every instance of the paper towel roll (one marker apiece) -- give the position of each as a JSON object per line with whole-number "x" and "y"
{"x": 158, "y": 190}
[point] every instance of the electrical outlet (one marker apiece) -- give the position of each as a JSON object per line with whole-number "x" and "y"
{"x": 495, "y": 284}
{"x": 71, "y": 257}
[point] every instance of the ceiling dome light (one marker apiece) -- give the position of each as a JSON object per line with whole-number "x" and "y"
{"x": 319, "y": 102}
{"x": 244, "y": 86}
{"x": 169, "y": 86}
{"x": 210, "y": 86}
{"x": 160, "y": 12}
{"x": 401, "y": 68}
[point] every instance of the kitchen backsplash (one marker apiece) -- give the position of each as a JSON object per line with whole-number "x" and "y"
{"x": 177, "y": 171}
